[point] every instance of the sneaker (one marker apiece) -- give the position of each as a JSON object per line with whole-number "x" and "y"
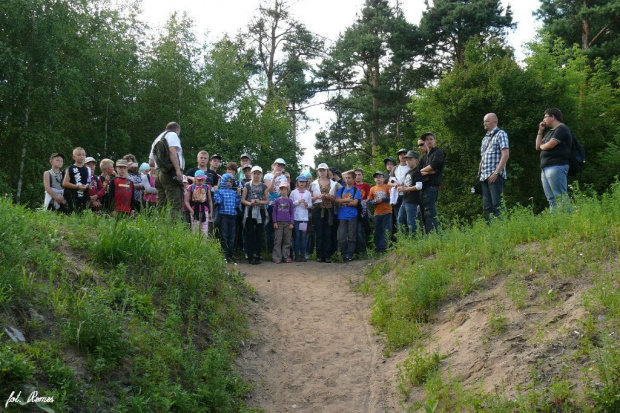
{"x": 320, "y": 260}
{"x": 304, "y": 259}
{"x": 277, "y": 262}
{"x": 288, "y": 260}
{"x": 328, "y": 260}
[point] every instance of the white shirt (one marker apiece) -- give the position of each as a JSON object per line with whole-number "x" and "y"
{"x": 173, "y": 140}
{"x": 315, "y": 189}
{"x": 301, "y": 210}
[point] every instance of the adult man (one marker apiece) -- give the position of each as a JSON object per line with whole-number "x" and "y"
{"x": 202, "y": 160}
{"x": 169, "y": 178}
{"x": 431, "y": 168}
{"x": 494, "y": 154}
{"x": 555, "y": 150}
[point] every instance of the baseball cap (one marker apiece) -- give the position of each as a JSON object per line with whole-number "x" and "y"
{"x": 402, "y": 150}
{"x": 122, "y": 162}
{"x": 245, "y": 155}
{"x": 56, "y": 154}
{"x": 247, "y": 166}
{"x": 90, "y": 159}
{"x": 200, "y": 174}
{"x": 390, "y": 159}
{"x": 257, "y": 168}
{"x": 302, "y": 178}
{"x": 424, "y": 135}
{"x": 322, "y": 166}
{"x": 215, "y": 155}
{"x": 283, "y": 184}
{"x": 144, "y": 167}
{"x": 412, "y": 154}
{"x": 378, "y": 173}
{"x": 280, "y": 160}
{"x": 307, "y": 174}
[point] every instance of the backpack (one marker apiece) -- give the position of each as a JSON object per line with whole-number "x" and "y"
{"x": 358, "y": 207}
{"x": 577, "y": 159}
{"x": 161, "y": 153}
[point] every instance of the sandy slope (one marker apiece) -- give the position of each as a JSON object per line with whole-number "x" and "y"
{"x": 313, "y": 348}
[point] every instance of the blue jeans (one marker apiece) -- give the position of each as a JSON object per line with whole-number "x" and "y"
{"x": 406, "y": 218}
{"x": 555, "y": 185}
{"x": 383, "y": 226}
{"x": 228, "y": 229}
{"x": 429, "y": 208}
{"x": 492, "y": 197}
{"x": 300, "y": 241}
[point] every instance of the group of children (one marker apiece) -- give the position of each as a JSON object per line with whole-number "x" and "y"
{"x": 245, "y": 206}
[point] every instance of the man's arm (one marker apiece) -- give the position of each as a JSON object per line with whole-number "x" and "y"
{"x": 174, "y": 158}
{"x": 501, "y": 165}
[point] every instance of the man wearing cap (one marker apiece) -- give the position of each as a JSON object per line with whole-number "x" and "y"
{"x": 411, "y": 187}
{"x": 431, "y": 168}
{"x": 494, "y": 154}
{"x": 169, "y": 180}
{"x": 243, "y": 161}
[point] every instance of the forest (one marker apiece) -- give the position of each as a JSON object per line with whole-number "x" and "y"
{"x": 92, "y": 73}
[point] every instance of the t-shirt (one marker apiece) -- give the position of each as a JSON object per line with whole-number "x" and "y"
{"x": 346, "y": 212}
{"x": 255, "y": 191}
{"x": 561, "y": 153}
{"x": 399, "y": 172}
{"x": 301, "y": 210}
{"x": 283, "y": 210}
{"x": 412, "y": 177}
{"x": 78, "y": 175}
{"x": 173, "y": 140}
{"x": 378, "y": 192}
{"x": 364, "y": 188}
{"x": 121, "y": 194}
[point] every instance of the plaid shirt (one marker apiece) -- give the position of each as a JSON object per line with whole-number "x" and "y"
{"x": 228, "y": 200}
{"x": 491, "y": 152}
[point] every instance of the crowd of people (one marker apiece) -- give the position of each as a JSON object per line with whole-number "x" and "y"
{"x": 245, "y": 207}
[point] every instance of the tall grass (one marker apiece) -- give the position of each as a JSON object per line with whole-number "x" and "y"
{"x": 133, "y": 314}
{"x": 462, "y": 259}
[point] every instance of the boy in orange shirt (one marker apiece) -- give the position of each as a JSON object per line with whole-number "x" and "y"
{"x": 379, "y": 196}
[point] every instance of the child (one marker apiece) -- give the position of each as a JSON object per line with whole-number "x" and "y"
{"x": 283, "y": 219}
{"x": 198, "y": 202}
{"x": 363, "y": 222}
{"x": 254, "y": 197}
{"x": 149, "y": 199}
{"x": 96, "y": 191}
{"x": 52, "y": 181}
{"x": 120, "y": 191}
{"x": 77, "y": 183}
{"x": 411, "y": 187}
{"x": 231, "y": 168}
{"x": 348, "y": 198}
{"x": 302, "y": 200}
{"x": 380, "y": 198}
{"x": 107, "y": 171}
{"x": 135, "y": 177}
{"x": 228, "y": 200}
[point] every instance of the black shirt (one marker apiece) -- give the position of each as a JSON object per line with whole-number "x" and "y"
{"x": 436, "y": 159}
{"x": 561, "y": 153}
{"x": 413, "y": 176}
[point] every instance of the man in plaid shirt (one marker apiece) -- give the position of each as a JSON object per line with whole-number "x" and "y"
{"x": 492, "y": 171}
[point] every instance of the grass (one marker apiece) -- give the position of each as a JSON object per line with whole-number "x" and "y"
{"x": 549, "y": 249}
{"x": 122, "y": 315}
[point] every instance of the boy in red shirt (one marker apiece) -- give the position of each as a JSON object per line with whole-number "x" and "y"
{"x": 120, "y": 191}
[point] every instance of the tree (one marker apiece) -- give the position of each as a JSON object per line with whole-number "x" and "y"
{"x": 370, "y": 67}
{"x": 448, "y": 25}
{"x": 593, "y": 24}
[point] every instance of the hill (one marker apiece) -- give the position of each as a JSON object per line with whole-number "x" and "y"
{"x": 518, "y": 315}
{"x": 125, "y": 315}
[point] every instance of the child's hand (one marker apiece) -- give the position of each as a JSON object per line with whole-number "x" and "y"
{"x": 291, "y": 226}
{"x": 275, "y": 225}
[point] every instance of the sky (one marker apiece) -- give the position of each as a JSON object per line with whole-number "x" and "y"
{"x": 328, "y": 18}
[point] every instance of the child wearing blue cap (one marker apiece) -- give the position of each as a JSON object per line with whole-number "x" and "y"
{"x": 228, "y": 200}
{"x": 199, "y": 203}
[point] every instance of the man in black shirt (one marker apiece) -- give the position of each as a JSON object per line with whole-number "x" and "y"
{"x": 554, "y": 149}
{"x": 431, "y": 168}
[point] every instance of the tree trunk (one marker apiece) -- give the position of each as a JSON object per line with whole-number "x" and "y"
{"x": 585, "y": 29}
{"x": 375, "y": 108}
{"x": 22, "y": 164}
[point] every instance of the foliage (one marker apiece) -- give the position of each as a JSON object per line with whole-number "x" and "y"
{"x": 417, "y": 368}
{"x": 137, "y": 304}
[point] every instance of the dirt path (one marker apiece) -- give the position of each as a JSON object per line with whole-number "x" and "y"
{"x": 313, "y": 348}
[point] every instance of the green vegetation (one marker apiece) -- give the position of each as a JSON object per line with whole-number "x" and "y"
{"x": 546, "y": 249}
{"x": 129, "y": 315}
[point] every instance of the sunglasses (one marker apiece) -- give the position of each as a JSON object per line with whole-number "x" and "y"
{"x": 420, "y": 145}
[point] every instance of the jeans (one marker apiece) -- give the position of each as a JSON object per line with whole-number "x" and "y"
{"x": 406, "y": 218}
{"x": 254, "y": 237}
{"x": 300, "y": 241}
{"x": 347, "y": 237}
{"x": 492, "y": 197}
{"x": 383, "y": 224}
{"x": 323, "y": 232}
{"x": 228, "y": 230}
{"x": 429, "y": 208}
{"x": 555, "y": 185}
